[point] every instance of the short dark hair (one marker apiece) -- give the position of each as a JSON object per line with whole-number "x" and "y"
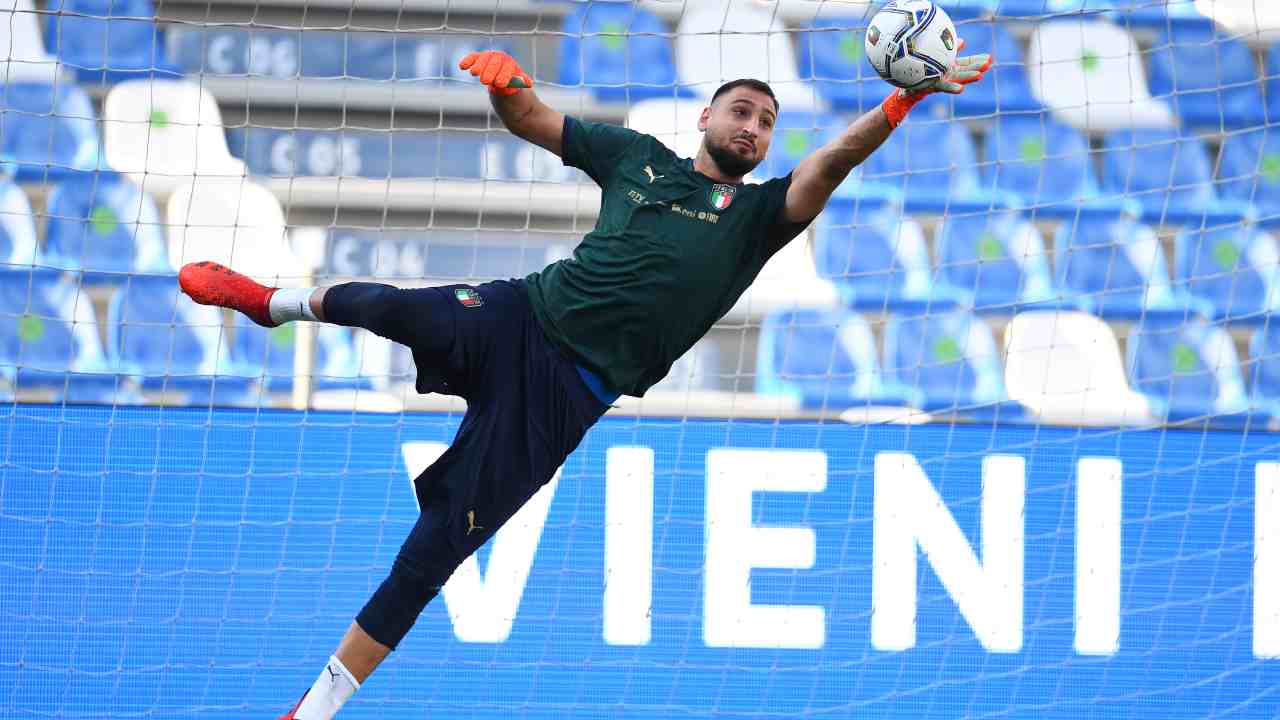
{"x": 752, "y": 83}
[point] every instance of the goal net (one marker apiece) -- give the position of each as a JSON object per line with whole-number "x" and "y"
{"x": 995, "y": 437}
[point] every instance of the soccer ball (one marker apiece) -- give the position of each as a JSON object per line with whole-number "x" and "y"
{"x": 911, "y": 43}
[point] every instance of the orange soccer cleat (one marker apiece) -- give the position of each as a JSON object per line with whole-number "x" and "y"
{"x": 209, "y": 283}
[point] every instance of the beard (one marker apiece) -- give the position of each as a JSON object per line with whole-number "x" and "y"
{"x": 728, "y": 159}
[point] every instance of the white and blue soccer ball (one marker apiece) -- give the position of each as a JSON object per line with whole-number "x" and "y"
{"x": 911, "y": 43}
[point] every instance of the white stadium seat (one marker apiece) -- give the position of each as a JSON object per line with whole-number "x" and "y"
{"x": 1066, "y": 368}
{"x": 163, "y": 133}
{"x": 722, "y": 40}
{"x": 1090, "y": 74}
{"x": 238, "y": 224}
{"x": 22, "y": 54}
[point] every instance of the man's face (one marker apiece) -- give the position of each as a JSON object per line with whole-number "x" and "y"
{"x": 737, "y": 129}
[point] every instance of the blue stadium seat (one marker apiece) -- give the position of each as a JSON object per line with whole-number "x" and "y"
{"x": 797, "y": 134}
{"x": 49, "y": 340}
{"x": 1191, "y": 372}
{"x": 1209, "y": 78}
{"x": 823, "y": 358}
{"x": 174, "y": 346}
{"x": 935, "y": 167}
{"x": 833, "y": 57}
{"x": 1046, "y": 163}
{"x": 1047, "y": 8}
{"x": 1249, "y": 170}
{"x": 269, "y": 352}
{"x": 1271, "y": 69}
{"x": 1114, "y": 267}
{"x": 999, "y": 259}
{"x": 1169, "y": 174}
{"x": 1004, "y": 89}
{"x": 18, "y": 244}
{"x": 48, "y": 133}
{"x": 951, "y": 360}
{"x": 620, "y": 52}
{"x": 1235, "y": 269}
{"x": 107, "y": 228}
{"x": 1263, "y": 369}
{"x": 1160, "y": 14}
{"x": 107, "y": 40}
{"x": 877, "y": 259}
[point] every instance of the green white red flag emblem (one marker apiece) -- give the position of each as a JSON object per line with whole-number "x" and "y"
{"x": 722, "y": 195}
{"x": 468, "y": 297}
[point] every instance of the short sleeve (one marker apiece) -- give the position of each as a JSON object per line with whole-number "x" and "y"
{"x": 595, "y": 148}
{"x": 778, "y": 231}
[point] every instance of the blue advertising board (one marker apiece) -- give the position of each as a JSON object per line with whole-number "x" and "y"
{"x": 167, "y": 562}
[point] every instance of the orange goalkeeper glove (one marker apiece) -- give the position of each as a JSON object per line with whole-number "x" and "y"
{"x": 498, "y": 70}
{"x": 965, "y": 70}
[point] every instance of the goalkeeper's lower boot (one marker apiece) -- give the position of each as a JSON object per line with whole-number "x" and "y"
{"x": 291, "y": 714}
{"x": 209, "y": 283}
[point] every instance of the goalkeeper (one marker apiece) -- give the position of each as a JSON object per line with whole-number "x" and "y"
{"x": 539, "y": 360}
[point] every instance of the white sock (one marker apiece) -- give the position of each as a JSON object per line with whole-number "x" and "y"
{"x": 291, "y": 304}
{"x": 334, "y": 686}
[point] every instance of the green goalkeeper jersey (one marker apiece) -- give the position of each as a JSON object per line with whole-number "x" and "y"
{"x": 671, "y": 252}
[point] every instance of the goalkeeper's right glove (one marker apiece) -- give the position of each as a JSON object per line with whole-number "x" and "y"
{"x": 966, "y": 70}
{"x": 498, "y": 70}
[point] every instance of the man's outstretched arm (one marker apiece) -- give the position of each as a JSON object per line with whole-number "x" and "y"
{"x": 818, "y": 175}
{"x": 519, "y": 108}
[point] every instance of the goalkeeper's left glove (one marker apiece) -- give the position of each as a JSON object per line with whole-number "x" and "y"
{"x": 965, "y": 70}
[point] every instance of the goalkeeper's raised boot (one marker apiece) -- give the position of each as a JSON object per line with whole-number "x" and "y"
{"x": 209, "y": 283}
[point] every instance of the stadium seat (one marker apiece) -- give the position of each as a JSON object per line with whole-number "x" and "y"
{"x": 674, "y": 122}
{"x": 823, "y": 358}
{"x": 18, "y": 243}
{"x": 833, "y": 58}
{"x": 1047, "y": 8}
{"x": 1235, "y": 269}
{"x": 1249, "y": 171}
{"x": 107, "y": 228}
{"x": 797, "y": 134}
{"x": 48, "y": 133}
{"x": 951, "y": 361}
{"x": 722, "y": 40}
{"x": 1169, "y": 174}
{"x": 999, "y": 259}
{"x": 162, "y": 133}
{"x": 878, "y": 259}
{"x": 107, "y": 40}
{"x": 935, "y": 167}
{"x": 1045, "y": 163}
{"x": 1263, "y": 369}
{"x": 1209, "y": 78}
{"x": 620, "y": 52}
{"x": 1089, "y": 73}
{"x": 1066, "y": 368}
{"x": 789, "y": 280}
{"x": 1191, "y": 372}
{"x": 49, "y": 340}
{"x": 1160, "y": 15}
{"x": 269, "y": 354}
{"x": 1271, "y": 70}
{"x": 22, "y": 55}
{"x": 174, "y": 346}
{"x": 1004, "y": 88}
{"x": 240, "y": 225}
{"x": 1114, "y": 267}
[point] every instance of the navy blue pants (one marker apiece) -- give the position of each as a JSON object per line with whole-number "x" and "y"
{"x": 527, "y": 409}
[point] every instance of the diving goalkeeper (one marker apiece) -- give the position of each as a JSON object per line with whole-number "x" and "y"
{"x": 539, "y": 360}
